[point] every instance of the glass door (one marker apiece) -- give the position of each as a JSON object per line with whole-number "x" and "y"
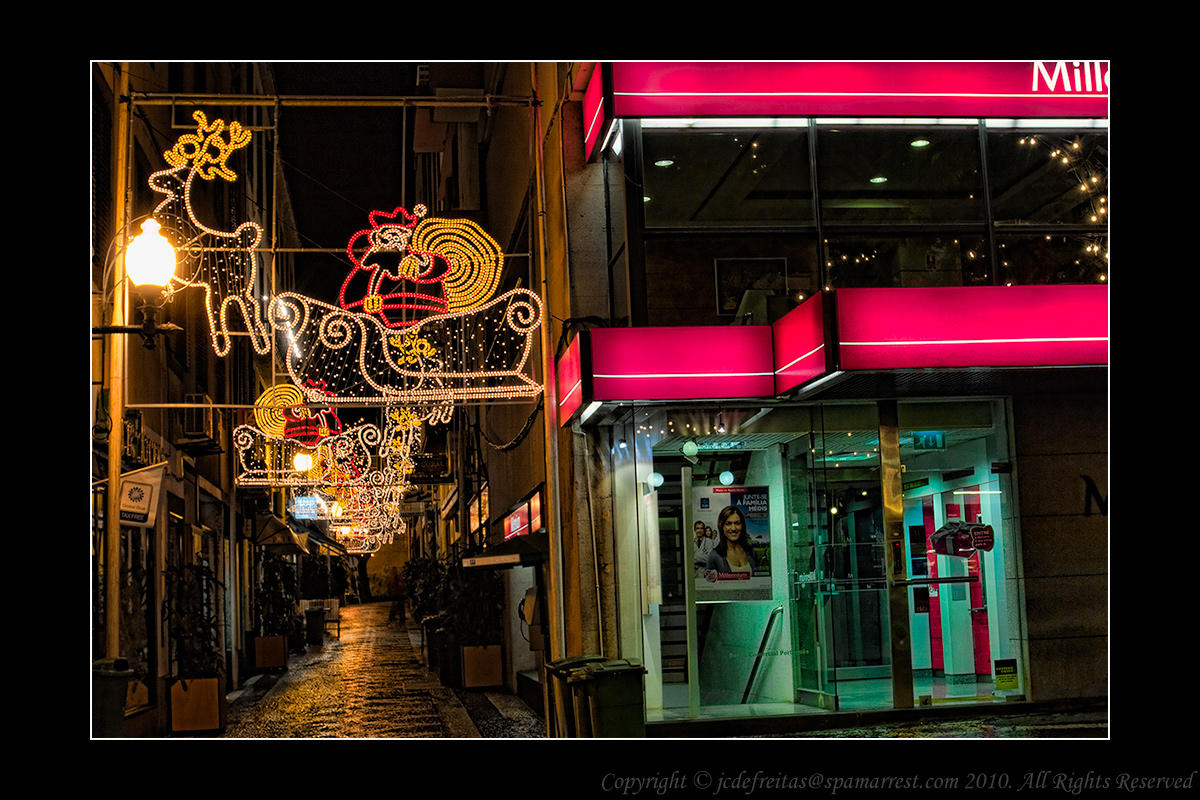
{"x": 839, "y": 589}
{"x": 963, "y": 612}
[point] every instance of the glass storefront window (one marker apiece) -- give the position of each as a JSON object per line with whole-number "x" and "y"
{"x": 964, "y": 622}
{"x": 1048, "y": 176}
{"x": 715, "y": 280}
{"x": 904, "y": 174}
{"x": 913, "y": 260}
{"x": 1053, "y": 258}
{"x": 726, "y": 176}
{"x": 927, "y": 178}
{"x": 761, "y": 547}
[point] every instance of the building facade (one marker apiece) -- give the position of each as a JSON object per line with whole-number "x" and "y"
{"x": 865, "y": 305}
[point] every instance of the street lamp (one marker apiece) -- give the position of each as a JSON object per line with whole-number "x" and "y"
{"x": 150, "y": 260}
{"x": 150, "y": 265}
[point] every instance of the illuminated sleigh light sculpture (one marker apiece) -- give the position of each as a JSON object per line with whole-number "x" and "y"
{"x": 416, "y": 321}
{"x": 267, "y": 460}
{"x": 222, "y": 263}
{"x": 484, "y": 351}
{"x": 284, "y": 427}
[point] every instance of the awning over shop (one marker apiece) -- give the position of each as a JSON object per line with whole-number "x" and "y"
{"x": 520, "y": 551}
{"x": 319, "y": 542}
{"x": 277, "y": 536}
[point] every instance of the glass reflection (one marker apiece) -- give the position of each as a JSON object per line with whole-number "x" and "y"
{"x": 707, "y": 177}
{"x": 1048, "y": 258}
{"x": 909, "y": 174}
{"x": 1048, "y": 177}
{"x": 928, "y": 260}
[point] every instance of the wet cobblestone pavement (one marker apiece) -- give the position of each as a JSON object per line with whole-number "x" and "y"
{"x": 369, "y": 682}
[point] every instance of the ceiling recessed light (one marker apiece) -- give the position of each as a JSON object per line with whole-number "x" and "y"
{"x": 919, "y": 143}
{"x": 666, "y": 162}
{"x": 879, "y": 179}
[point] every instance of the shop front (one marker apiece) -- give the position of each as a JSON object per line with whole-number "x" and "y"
{"x": 821, "y": 514}
{"x": 852, "y": 304}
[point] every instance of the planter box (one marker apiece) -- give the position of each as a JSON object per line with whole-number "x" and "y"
{"x": 198, "y": 704}
{"x": 482, "y": 666}
{"x": 270, "y": 652}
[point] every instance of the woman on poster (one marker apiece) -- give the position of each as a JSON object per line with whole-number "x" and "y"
{"x": 733, "y": 552}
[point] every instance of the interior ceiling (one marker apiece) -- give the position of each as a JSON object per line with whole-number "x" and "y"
{"x": 850, "y": 445}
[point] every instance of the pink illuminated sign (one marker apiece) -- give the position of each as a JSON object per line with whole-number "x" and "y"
{"x": 594, "y": 121}
{"x": 876, "y": 329}
{"x": 799, "y": 345}
{"x": 977, "y": 326}
{"x": 569, "y": 377}
{"x": 682, "y": 363}
{"x": 898, "y": 88}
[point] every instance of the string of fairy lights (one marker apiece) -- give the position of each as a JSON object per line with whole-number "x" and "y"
{"x": 417, "y": 330}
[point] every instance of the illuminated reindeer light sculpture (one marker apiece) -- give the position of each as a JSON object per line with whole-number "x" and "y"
{"x": 221, "y": 262}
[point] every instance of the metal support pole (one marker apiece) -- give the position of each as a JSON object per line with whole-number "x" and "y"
{"x": 897, "y": 567}
{"x": 116, "y": 379}
{"x": 550, "y": 395}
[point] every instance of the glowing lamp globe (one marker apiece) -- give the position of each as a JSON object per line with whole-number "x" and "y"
{"x": 302, "y": 462}
{"x": 690, "y": 448}
{"x": 656, "y": 479}
{"x": 150, "y": 260}
{"x": 726, "y": 478}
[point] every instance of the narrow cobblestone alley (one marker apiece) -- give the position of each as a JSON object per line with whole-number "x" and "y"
{"x": 369, "y": 682}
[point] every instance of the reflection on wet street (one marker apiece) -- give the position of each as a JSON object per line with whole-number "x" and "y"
{"x": 370, "y": 683}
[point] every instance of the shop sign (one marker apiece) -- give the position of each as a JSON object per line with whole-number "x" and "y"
{"x": 569, "y": 380}
{"x": 737, "y": 513}
{"x": 1070, "y": 89}
{"x": 798, "y": 339}
{"x": 430, "y": 468}
{"x": 309, "y": 506}
{"x": 1005, "y": 670}
{"x": 926, "y": 441}
{"x": 524, "y": 518}
{"x": 875, "y": 329}
{"x": 139, "y": 496}
{"x": 682, "y": 363}
{"x": 972, "y": 326}
{"x": 983, "y": 537}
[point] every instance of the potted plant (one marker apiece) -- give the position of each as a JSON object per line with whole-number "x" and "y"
{"x": 278, "y": 620}
{"x": 426, "y": 587}
{"x": 475, "y": 609}
{"x": 190, "y": 617}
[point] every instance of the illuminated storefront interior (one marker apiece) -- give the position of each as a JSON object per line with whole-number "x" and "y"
{"x": 808, "y": 628}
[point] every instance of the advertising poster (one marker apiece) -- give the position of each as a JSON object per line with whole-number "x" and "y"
{"x": 731, "y": 541}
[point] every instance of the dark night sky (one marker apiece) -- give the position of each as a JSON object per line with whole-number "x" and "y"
{"x": 340, "y": 163}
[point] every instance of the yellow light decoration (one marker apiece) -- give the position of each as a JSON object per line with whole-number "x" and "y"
{"x": 268, "y": 408}
{"x": 474, "y": 257}
{"x": 222, "y": 263}
{"x": 302, "y": 462}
